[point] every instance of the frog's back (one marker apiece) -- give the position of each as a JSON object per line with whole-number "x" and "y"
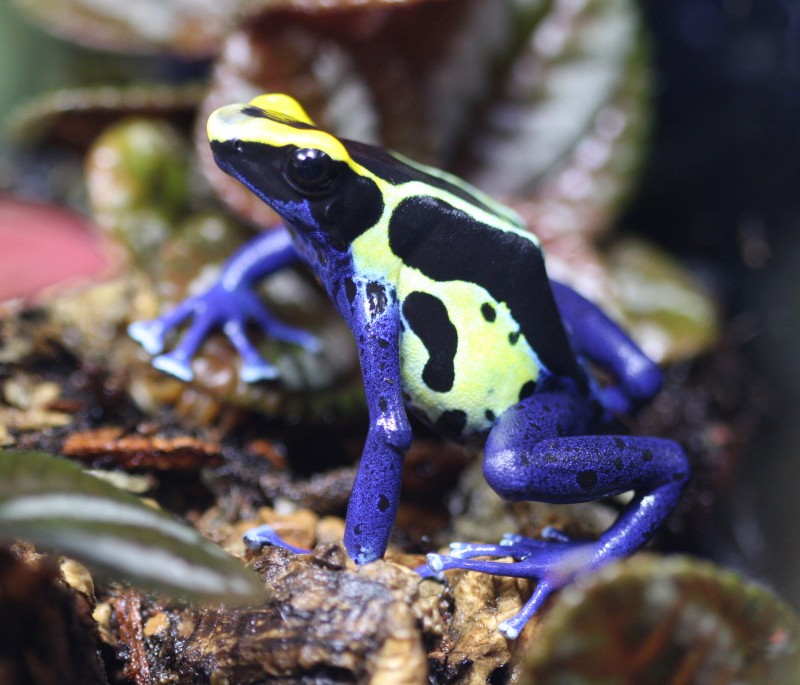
{"x": 480, "y": 322}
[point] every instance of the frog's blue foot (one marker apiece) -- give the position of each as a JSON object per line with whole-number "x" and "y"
{"x": 230, "y": 310}
{"x": 553, "y": 562}
{"x": 149, "y": 334}
{"x": 511, "y": 545}
{"x": 538, "y": 450}
{"x": 258, "y": 537}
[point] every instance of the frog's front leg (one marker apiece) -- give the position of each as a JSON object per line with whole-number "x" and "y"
{"x": 372, "y": 311}
{"x": 528, "y": 458}
{"x": 230, "y": 304}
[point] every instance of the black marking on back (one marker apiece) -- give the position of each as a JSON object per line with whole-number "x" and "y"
{"x": 428, "y": 318}
{"x": 384, "y": 164}
{"x": 488, "y": 312}
{"x": 447, "y": 244}
{"x": 527, "y": 389}
{"x": 451, "y": 423}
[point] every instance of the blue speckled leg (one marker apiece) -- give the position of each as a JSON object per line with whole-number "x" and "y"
{"x": 529, "y": 457}
{"x": 371, "y": 310}
{"x": 598, "y": 338}
{"x": 229, "y": 304}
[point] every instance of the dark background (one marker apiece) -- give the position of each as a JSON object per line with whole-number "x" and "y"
{"x": 722, "y": 189}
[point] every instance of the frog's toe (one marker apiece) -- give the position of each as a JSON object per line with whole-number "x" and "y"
{"x": 467, "y": 550}
{"x": 296, "y": 336}
{"x": 436, "y": 562}
{"x": 425, "y": 571}
{"x": 545, "y": 586}
{"x": 552, "y": 534}
{"x": 552, "y": 562}
{"x": 278, "y": 330}
{"x": 254, "y": 367}
{"x": 428, "y": 570}
{"x": 509, "y": 629}
{"x": 175, "y": 365}
{"x": 462, "y": 550}
{"x": 258, "y": 537}
{"x": 149, "y": 334}
{"x": 439, "y": 563}
{"x": 309, "y": 342}
{"x": 258, "y": 370}
{"x": 512, "y": 627}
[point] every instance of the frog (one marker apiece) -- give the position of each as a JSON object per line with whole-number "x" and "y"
{"x": 456, "y": 322}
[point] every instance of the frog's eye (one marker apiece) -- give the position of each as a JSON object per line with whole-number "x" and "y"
{"x": 310, "y": 170}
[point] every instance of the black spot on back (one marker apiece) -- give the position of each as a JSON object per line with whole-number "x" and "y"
{"x": 451, "y": 423}
{"x": 513, "y": 337}
{"x": 447, "y": 244}
{"x": 489, "y": 414}
{"x": 396, "y": 171}
{"x": 488, "y": 312}
{"x": 428, "y": 318}
{"x": 527, "y": 390}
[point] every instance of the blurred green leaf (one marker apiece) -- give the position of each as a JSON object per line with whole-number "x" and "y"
{"x": 651, "y": 619}
{"x": 144, "y": 26}
{"x": 57, "y": 507}
{"x": 575, "y": 92}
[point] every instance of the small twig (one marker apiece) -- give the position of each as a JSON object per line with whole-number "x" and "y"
{"x": 129, "y": 614}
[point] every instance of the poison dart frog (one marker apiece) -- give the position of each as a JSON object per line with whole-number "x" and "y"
{"x": 456, "y": 321}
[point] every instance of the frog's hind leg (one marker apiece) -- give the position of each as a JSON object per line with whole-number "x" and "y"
{"x": 528, "y": 458}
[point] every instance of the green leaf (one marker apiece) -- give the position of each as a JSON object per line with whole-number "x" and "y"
{"x": 59, "y": 508}
{"x": 650, "y": 619}
{"x": 574, "y": 94}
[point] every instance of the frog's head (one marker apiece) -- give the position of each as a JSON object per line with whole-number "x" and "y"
{"x": 304, "y": 173}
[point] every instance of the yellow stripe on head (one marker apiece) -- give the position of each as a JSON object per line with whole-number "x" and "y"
{"x": 276, "y": 120}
